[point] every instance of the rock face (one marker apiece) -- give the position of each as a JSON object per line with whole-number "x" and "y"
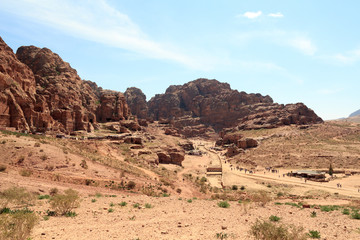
{"x": 270, "y": 116}
{"x": 41, "y": 92}
{"x": 216, "y": 105}
{"x": 20, "y": 107}
{"x": 136, "y": 100}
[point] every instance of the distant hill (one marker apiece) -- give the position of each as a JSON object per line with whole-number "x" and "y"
{"x": 355, "y": 113}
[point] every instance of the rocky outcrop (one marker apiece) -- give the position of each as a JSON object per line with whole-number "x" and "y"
{"x": 275, "y": 115}
{"x": 41, "y": 92}
{"x": 136, "y": 100}
{"x": 216, "y": 105}
{"x": 20, "y": 107}
{"x": 171, "y": 156}
{"x": 72, "y": 102}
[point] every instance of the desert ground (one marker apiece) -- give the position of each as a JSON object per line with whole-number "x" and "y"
{"x": 192, "y": 213}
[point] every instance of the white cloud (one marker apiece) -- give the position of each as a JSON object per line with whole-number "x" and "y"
{"x": 251, "y": 15}
{"x": 296, "y": 40}
{"x": 303, "y": 44}
{"x": 276, "y": 15}
{"x": 347, "y": 58}
{"x": 99, "y": 22}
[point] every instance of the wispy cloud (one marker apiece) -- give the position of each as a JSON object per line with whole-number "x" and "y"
{"x": 303, "y": 44}
{"x": 299, "y": 41}
{"x": 99, "y": 22}
{"x": 345, "y": 58}
{"x": 251, "y": 15}
{"x": 276, "y": 15}
{"x": 328, "y": 91}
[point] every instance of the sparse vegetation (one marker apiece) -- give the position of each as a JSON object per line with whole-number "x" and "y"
{"x": 314, "y": 234}
{"x": 221, "y": 235}
{"x": 355, "y": 215}
{"x": 266, "y": 230}
{"x": 44, "y": 197}
{"x": 261, "y": 197}
{"x": 274, "y": 218}
{"x": 130, "y": 185}
{"x": 148, "y": 205}
{"x": 313, "y": 214}
{"x": 17, "y": 224}
{"x": 223, "y": 204}
{"x": 25, "y": 172}
{"x": 83, "y": 164}
{"x": 64, "y": 203}
{"x": 346, "y": 211}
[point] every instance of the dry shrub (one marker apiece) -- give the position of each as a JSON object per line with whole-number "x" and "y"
{"x": 261, "y": 197}
{"x": 16, "y": 196}
{"x": 17, "y": 224}
{"x": 130, "y": 185}
{"x": 83, "y": 164}
{"x": 266, "y": 230}
{"x": 64, "y": 203}
{"x": 25, "y": 172}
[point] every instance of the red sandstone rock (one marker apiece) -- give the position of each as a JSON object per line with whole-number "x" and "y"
{"x": 215, "y": 104}
{"x": 136, "y": 100}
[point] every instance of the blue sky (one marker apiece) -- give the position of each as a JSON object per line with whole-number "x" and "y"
{"x": 295, "y": 51}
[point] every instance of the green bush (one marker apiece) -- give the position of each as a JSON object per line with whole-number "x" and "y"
{"x": 189, "y": 200}
{"x": 314, "y": 234}
{"x": 266, "y": 230}
{"x": 123, "y": 204}
{"x": 346, "y": 211}
{"x": 223, "y": 204}
{"x": 64, "y": 203}
{"x": 329, "y": 208}
{"x": 221, "y": 235}
{"x": 70, "y": 214}
{"x": 17, "y": 224}
{"x": 148, "y": 205}
{"x": 355, "y": 215}
{"x": 234, "y": 187}
{"x": 44, "y": 197}
{"x": 93, "y": 200}
{"x": 313, "y": 214}
{"x": 274, "y": 218}
{"x": 136, "y": 205}
{"x": 110, "y": 210}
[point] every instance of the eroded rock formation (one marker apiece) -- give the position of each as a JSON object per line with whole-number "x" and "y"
{"x": 215, "y": 104}
{"x": 41, "y": 92}
{"x": 136, "y": 100}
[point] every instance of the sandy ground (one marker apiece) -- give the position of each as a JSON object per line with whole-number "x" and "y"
{"x": 175, "y": 218}
{"x": 171, "y": 218}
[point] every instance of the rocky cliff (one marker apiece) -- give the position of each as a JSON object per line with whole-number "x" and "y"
{"x": 20, "y": 107}
{"x": 41, "y": 92}
{"x": 215, "y": 104}
{"x": 136, "y": 100}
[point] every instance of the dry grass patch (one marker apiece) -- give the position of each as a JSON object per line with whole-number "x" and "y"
{"x": 266, "y": 230}
{"x": 64, "y": 203}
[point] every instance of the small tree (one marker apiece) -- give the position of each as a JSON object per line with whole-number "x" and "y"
{"x": 331, "y": 170}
